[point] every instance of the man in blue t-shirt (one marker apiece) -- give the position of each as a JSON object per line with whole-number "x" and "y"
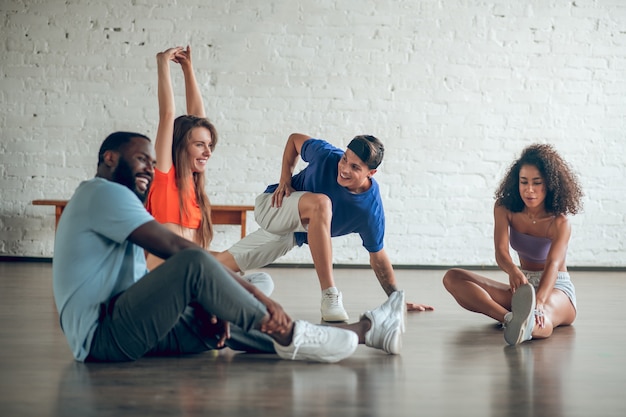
{"x": 112, "y": 309}
{"x": 333, "y": 196}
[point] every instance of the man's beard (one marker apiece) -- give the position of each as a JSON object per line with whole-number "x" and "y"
{"x": 123, "y": 174}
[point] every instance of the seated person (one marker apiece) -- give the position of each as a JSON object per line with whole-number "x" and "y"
{"x": 531, "y": 208}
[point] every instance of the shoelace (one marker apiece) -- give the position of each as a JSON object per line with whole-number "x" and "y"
{"x": 333, "y": 299}
{"x": 312, "y": 334}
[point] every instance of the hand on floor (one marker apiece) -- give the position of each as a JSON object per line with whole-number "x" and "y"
{"x": 418, "y": 307}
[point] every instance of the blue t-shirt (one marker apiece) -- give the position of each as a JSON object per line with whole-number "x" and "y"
{"x": 92, "y": 260}
{"x": 361, "y": 213}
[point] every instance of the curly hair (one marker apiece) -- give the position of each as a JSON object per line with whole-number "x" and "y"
{"x": 563, "y": 191}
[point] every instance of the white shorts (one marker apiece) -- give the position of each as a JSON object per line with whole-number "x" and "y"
{"x": 563, "y": 283}
{"x": 275, "y": 237}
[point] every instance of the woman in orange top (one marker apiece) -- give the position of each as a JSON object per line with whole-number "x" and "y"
{"x": 183, "y": 146}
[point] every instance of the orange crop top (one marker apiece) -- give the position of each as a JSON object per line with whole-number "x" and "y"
{"x": 163, "y": 201}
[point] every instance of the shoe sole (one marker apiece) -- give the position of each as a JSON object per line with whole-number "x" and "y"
{"x": 336, "y": 319}
{"x": 404, "y": 313}
{"x": 393, "y": 344}
{"x": 522, "y": 306}
{"x": 348, "y": 350}
{"x": 392, "y": 341}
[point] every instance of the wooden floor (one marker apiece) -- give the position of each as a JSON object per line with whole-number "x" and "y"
{"x": 454, "y": 363}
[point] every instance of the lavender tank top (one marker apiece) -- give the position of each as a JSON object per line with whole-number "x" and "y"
{"x": 530, "y": 248}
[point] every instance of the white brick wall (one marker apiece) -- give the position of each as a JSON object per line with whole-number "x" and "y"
{"x": 454, "y": 88}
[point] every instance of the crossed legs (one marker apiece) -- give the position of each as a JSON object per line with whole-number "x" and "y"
{"x": 492, "y": 298}
{"x": 478, "y": 294}
{"x": 170, "y": 312}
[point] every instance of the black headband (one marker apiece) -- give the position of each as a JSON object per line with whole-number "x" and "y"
{"x": 360, "y": 149}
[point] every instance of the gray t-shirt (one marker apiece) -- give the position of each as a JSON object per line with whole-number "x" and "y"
{"x": 92, "y": 260}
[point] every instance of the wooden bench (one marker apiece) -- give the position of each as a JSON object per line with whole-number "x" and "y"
{"x": 220, "y": 214}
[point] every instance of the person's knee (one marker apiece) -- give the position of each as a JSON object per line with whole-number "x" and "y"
{"x": 196, "y": 257}
{"x": 192, "y": 253}
{"x": 316, "y": 206}
{"x": 451, "y": 277}
{"x": 228, "y": 260}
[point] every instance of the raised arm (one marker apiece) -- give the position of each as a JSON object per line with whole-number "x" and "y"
{"x": 290, "y": 160}
{"x": 195, "y": 105}
{"x": 501, "y": 243}
{"x": 167, "y": 109}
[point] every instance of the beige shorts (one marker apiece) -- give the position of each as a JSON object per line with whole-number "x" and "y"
{"x": 275, "y": 237}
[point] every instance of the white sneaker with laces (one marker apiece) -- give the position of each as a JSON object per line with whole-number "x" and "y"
{"x": 332, "y": 306}
{"x": 520, "y": 321}
{"x": 387, "y": 324}
{"x": 317, "y": 343}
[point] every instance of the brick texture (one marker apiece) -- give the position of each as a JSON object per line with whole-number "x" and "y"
{"x": 455, "y": 89}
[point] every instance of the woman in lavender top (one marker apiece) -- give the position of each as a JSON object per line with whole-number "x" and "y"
{"x": 533, "y": 201}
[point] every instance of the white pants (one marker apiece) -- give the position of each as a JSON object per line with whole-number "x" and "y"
{"x": 275, "y": 237}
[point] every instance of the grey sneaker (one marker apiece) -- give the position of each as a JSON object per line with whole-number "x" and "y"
{"x": 519, "y": 323}
{"x": 318, "y": 343}
{"x": 387, "y": 324}
{"x": 332, "y": 306}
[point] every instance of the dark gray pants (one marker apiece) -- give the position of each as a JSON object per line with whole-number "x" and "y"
{"x": 167, "y": 312}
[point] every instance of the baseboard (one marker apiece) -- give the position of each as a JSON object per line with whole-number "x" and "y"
{"x": 32, "y": 259}
{"x": 446, "y": 267}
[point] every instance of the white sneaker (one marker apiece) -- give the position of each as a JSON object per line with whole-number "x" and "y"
{"x": 520, "y": 321}
{"x": 332, "y": 306}
{"x": 262, "y": 281}
{"x": 387, "y": 324}
{"x": 312, "y": 342}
